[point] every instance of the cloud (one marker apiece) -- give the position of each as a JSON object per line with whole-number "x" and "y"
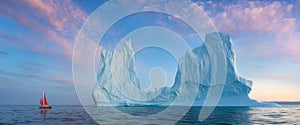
{"x": 51, "y": 73}
{"x": 260, "y": 18}
{"x": 53, "y": 25}
{"x": 63, "y": 80}
{"x": 62, "y": 15}
{"x": 30, "y": 75}
{"x": 14, "y": 11}
{"x": 290, "y": 45}
{"x": 11, "y": 41}
{"x": 64, "y": 43}
{"x": 7, "y": 37}
{"x": 18, "y": 75}
{"x": 47, "y": 28}
{"x": 279, "y": 76}
{"x": 257, "y": 17}
{"x": 3, "y": 53}
{"x": 297, "y": 7}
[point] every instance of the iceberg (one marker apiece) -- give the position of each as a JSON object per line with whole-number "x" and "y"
{"x": 118, "y": 84}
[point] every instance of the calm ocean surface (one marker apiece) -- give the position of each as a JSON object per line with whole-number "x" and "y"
{"x": 287, "y": 114}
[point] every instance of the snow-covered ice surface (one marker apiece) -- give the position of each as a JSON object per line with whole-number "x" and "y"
{"x": 118, "y": 84}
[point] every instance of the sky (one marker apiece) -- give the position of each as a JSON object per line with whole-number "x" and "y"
{"x": 37, "y": 39}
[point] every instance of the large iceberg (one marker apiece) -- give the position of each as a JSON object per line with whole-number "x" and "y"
{"x": 118, "y": 85}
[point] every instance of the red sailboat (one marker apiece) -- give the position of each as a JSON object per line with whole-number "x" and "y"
{"x": 44, "y": 103}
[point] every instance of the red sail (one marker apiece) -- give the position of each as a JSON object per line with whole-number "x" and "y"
{"x": 45, "y": 100}
{"x": 41, "y": 102}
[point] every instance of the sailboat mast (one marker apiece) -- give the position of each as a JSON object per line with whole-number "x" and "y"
{"x": 43, "y": 97}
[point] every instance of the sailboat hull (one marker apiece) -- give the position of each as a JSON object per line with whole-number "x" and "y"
{"x": 45, "y": 107}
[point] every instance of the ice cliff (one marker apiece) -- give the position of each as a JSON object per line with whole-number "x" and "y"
{"x": 118, "y": 83}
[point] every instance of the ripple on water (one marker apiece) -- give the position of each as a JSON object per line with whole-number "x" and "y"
{"x": 280, "y": 123}
{"x": 77, "y": 115}
{"x": 274, "y": 115}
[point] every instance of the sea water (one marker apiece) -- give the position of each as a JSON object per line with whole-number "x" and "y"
{"x": 287, "y": 114}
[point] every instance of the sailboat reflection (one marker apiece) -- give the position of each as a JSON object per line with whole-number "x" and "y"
{"x": 43, "y": 113}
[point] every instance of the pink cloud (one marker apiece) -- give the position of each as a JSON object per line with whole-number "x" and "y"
{"x": 66, "y": 45}
{"x": 54, "y": 24}
{"x": 60, "y": 79}
{"x": 65, "y": 17}
{"x": 60, "y": 14}
{"x": 279, "y": 76}
{"x": 16, "y": 12}
{"x": 290, "y": 44}
{"x": 257, "y": 18}
{"x": 85, "y": 52}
